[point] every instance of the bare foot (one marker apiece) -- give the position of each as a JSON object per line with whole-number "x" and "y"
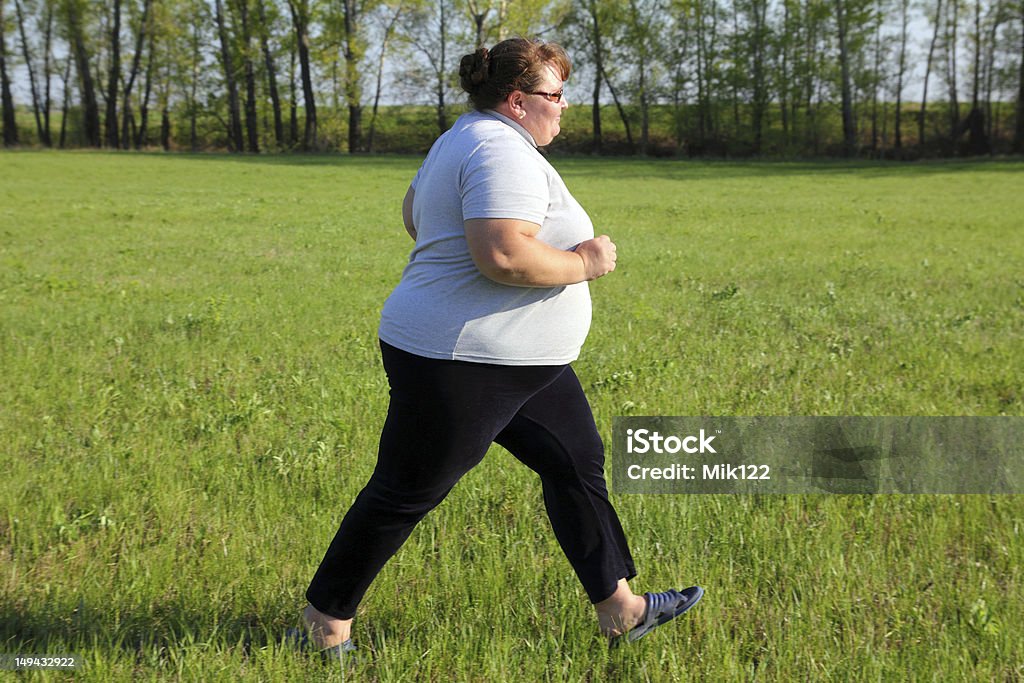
{"x": 620, "y": 612}
{"x": 324, "y": 630}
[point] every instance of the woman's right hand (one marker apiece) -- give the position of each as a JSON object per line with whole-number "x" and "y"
{"x": 598, "y": 256}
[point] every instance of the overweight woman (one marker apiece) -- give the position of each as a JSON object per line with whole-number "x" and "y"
{"x": 477, "y": 341}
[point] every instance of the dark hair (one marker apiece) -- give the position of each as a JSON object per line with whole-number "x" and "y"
{"x": 514, "y": 64}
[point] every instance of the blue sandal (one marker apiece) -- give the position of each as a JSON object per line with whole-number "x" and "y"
{"x": 298, "y": 639}
{"x": 661, "y": 608}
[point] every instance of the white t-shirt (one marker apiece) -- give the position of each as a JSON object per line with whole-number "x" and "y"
{"x": 486, "y": 166}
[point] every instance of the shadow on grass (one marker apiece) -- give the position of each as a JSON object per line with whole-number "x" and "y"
{"x": 167, "y": 628}
{"x": 324, "y": 159}
{"x": 693, "y": 170}
{"x": 91, "y": 630}
{"x": 630, "y": 167}
{"x": 611, "y": 167}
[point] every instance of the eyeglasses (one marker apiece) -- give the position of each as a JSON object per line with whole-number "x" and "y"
{"x": 550, "y": 96}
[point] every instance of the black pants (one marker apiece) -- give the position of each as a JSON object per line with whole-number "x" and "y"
{"x": 443, "y": 416}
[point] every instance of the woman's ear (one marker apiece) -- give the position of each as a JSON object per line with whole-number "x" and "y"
{"x": 515, "y": 104}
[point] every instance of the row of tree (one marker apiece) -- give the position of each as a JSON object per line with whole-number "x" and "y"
{"x": 737, "y": 76}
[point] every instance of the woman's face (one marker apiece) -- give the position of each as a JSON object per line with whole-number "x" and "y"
{"x": 541, "y": 114}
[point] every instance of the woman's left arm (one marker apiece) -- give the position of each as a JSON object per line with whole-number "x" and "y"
{"x": 508, "y": 251}
{"x": 407, "y": 212}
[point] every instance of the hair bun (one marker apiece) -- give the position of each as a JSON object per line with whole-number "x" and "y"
{"x": 474, "y": 69}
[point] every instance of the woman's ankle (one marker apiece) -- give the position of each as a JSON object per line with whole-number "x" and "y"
{"x": 324, "y": 630}
{"x": 621, "y": 611}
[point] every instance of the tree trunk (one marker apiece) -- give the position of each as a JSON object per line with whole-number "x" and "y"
{"x": 849, "y": 131}
{"x": 47, "y": 42}
{"x": 142, "y": 134}
{"x": 976, "y": 84}
{"x": 165, "y": 128}
{"x": 784, "y": 86}
{"x": 952, "y": 28}
{"x": 759, "y": 104}
{"x": 875, "y": 81}
{"x": 193, "y": 109}
{"x": 990, "y": 68}
{"x": 388, "y": 31}
{"x": 113, "y": 78}
{"x": 927, "y": 74}
{"x": 702, "y": 85}
{"x": 640, "y": 28}
{"x": 442, "y": 110}
{"x": 622, "y": 112}
{"x": 478, "y": 15}
{"x": 807, "y": 85}
{"x": 268, "y": 59}
{"x": 817, "y": 98}
{"x": 502, "y": 16}
{"x": 679, "y": 78}
{"x": 1018, "y": 136}
{"x": 733, "y": 80}
{"x": 353, "y": 90}
{"x": 885, "y": 124}
{"x": 644, "y": 117}
{"x": 87, "y": 90}
{"x": 678, "y": 115}
{"x": 251, "y": 118}
{"x": 31, "y": 69}
{"x": 978, "y": 141}
{"x": 293, "y": 108}
{"x": 645, "y": 114}
{"x": 162, "y": 83}
{"x": 708, "y": 34}
{"x": 595, "y": 113}
{"x": 234, "y": 113}
{"x": 126, "y": 112}
{"x": 66, "y": 104}
{"x": 900, "y": 72}
{"x": 300, "y": 19}
{"x": 9, "y": 122}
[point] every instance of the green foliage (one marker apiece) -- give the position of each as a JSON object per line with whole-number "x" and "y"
{"x": 193, "y": 395}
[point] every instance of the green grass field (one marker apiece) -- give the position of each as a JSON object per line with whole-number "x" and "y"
{"x": 192, "y": 394}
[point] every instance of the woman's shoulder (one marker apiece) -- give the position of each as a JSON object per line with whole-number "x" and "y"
{"x": 480, "y": 127}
